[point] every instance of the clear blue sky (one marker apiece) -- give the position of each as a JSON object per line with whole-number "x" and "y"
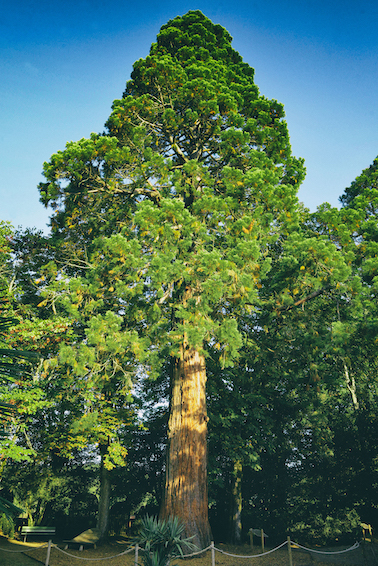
{"x": 62, "y": 64}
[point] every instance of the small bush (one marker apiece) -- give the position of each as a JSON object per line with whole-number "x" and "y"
{"x": 7, "y": 526}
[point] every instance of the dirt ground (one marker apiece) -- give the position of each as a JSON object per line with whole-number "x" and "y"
{"x": 11, "y": 554}
{"x": 112, "y": 554}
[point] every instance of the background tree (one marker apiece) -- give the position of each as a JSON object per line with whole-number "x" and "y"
{"x": 18, "y": 395}
{"x": 322, "y": 346}
{"x": 85, "y": 387}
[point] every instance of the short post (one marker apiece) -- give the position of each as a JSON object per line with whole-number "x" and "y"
{"x": 48, "y": 553}
{"x": 212, "y": 554}
{"x": 289, "y": 551}
{"x": 251, "y": 537}
{"x": 136, "y": 554}
{"x": 262, "y": 541}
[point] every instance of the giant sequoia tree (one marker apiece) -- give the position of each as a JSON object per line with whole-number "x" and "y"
{"x": 170, "y": 219}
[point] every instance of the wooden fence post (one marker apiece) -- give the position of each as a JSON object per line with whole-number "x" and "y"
{"x": 251, "y": 537}
{"x": 136, "y": 554}
{"x": 289, "y": 550}
{"x": 212, "y": 554}
{"x": 262, "y": 541}
{"x": 48, "y": 553}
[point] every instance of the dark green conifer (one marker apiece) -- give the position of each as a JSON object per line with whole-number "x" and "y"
{"x": 189, "y": 188}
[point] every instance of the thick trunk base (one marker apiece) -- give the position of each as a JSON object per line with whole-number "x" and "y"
{"x": 186, "y": 476}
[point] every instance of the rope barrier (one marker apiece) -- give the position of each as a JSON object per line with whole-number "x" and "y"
{"x": 93, "y": 559}
{"x": 29, "y": 549}
{"x": 356, "y": 545}
{"x": 194, "y": 553}
{"x": 252, "y": 555}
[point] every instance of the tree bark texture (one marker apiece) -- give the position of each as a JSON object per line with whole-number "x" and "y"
{"x": 104, "y": 500}
{"x": 236, "y": 502}
{"x": 186, "y": 476}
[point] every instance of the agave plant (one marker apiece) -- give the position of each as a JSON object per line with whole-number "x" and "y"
{"x": 9, "y": 509}
{"x": 162, "y": 540}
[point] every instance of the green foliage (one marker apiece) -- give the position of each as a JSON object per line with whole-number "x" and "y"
{"x": 55, "y": 491}
{"x": 8, "y": 508}
{"x": 16, "y": 393}
{"x": 321, "y": 476}
{"x": 326, "y": 529}
{"x": 189, "y": 187}
{"x": 11, "y": 366}
{"x": 162, "y": 540}
{"x": 7, "y": 526}
{"x": 363, "y": 192}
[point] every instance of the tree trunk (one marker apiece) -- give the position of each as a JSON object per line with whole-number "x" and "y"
{"x": 104, "y": 498}
{"x": 351, "y": 385}
{"x": 186, "y": 476}
{"x": 236, "y": 502}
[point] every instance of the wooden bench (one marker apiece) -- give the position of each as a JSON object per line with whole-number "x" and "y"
{"x": 25, "y": 531}
{"x": 366, "y": 530}
{"x": 20, "y": 522}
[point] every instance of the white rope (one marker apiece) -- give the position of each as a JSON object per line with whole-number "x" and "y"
{"x": 92, "y": 559}
{"x": 193, "y": 553}
{"x": 252, "y": 555}
{"x": 30, "y": 548}
{"x": 183, "y": 555}
{"x": 356, "y": 545}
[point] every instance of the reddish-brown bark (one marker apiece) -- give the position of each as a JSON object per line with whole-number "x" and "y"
{"x": 186, "y": 476}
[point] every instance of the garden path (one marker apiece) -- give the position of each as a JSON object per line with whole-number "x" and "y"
{"x": 12, "y": 554}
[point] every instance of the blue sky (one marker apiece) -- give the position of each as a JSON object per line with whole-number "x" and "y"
{"x": 63, "y": 63}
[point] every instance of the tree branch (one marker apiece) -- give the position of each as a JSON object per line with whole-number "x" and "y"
{"x": 305, "y": 299}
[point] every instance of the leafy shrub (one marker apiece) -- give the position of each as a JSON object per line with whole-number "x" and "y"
{"x": 343, "y": 526}
{"x": 7, "y": 526}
